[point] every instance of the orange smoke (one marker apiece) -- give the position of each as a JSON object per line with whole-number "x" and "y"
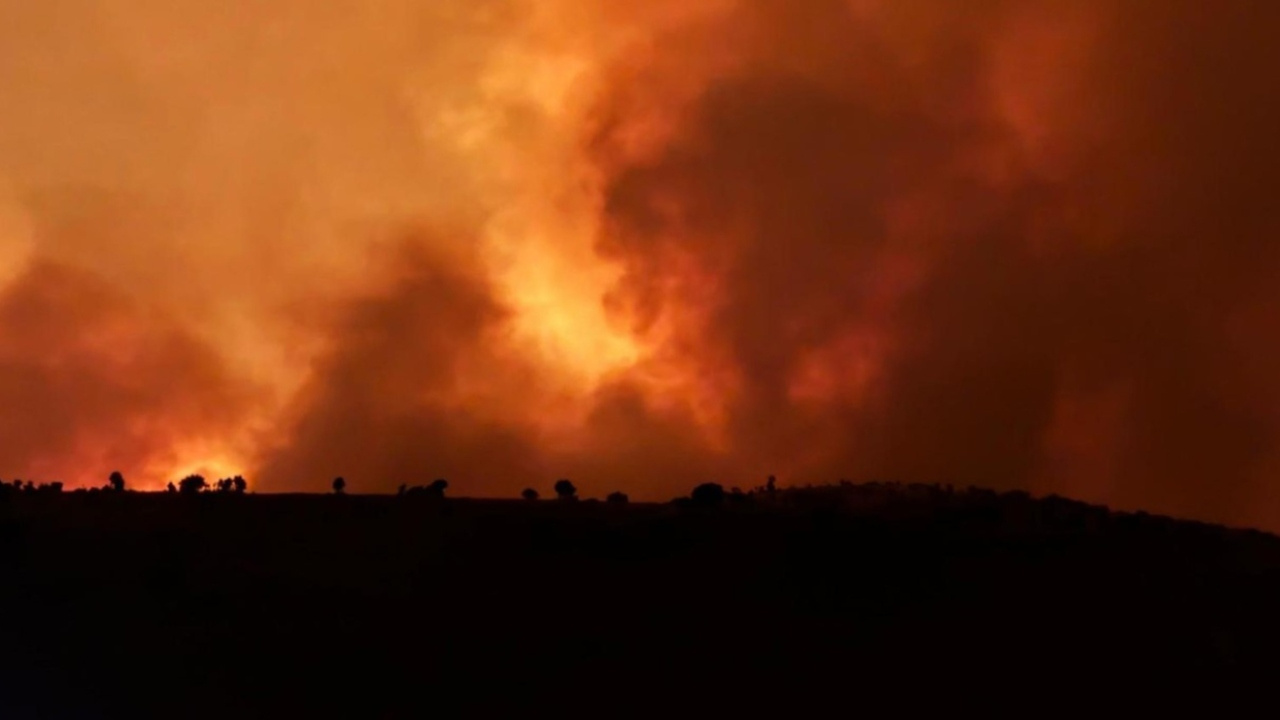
{"x": 643, "y": 245}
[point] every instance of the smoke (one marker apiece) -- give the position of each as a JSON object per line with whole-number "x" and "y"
{"x": 923, "y": 244}
{"x": 90, "y": 380}
{"x": 1022, "y": 245}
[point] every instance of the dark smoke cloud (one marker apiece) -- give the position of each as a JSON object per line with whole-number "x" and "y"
{"x": 1138, "y": 270}
{"x": 387, "y": 402}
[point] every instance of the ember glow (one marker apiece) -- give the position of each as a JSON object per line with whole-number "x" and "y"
{"x": 646, "y": 244}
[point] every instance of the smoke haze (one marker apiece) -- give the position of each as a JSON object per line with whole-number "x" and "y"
{"x": 1016, "y": 244}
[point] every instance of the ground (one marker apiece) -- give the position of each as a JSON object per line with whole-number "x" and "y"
{"x": 139, "y": 605}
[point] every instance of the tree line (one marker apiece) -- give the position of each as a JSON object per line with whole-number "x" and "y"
{"x": 706, "y": 494}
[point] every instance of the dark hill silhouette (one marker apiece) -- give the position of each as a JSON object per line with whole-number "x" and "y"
{"x": 205, "y": 603}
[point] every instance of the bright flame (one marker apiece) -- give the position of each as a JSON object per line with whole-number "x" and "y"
{"x": 211, "y": 469}
{"x": 517, "y": 132}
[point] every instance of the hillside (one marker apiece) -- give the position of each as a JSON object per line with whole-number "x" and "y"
{"x": 134, "y": 604}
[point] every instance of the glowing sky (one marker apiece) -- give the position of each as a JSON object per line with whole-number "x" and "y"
{"x": 1023, "y": 244}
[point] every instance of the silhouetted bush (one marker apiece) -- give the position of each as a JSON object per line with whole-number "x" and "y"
{"x": 529, "y": 494}
{"x": 116, "y": 482}
{"x": 192, "y": 484}
{"x": 433, "y": 491}
{"x": 618, "y": 498}
{"x": 565, "y": 490}
{"x": 708, "y": 495}
{"x": 339, "y": 486}
{"x": 235, "y": 484}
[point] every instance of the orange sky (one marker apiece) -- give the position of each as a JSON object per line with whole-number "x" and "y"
{"x": 644, "y": 244}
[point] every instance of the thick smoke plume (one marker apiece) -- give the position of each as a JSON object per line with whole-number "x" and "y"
{"x": 1016, "y": 244}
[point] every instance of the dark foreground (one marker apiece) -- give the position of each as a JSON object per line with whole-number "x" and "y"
{"x": 137, "y": 605}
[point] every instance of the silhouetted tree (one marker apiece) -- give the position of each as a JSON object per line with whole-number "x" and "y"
{"x": 708, "y": 495}
{"x": 192, "y": 484}
{"x": 116, "y": 481}
{"x": 403, "y": 490}
{"x": 436, "y": 489}
{"x": 55, "y": 487}
{"x": 239, "y": 484}
{"x": 224, "y": 485}
{"x": 617, "y": 498}
{"x": 771, "y": 485}
{"x": 339, "y": 486}
{"x": 171, "y": 488}
{"x": 529, "y": 494}
{"x": 565, "y": 490}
